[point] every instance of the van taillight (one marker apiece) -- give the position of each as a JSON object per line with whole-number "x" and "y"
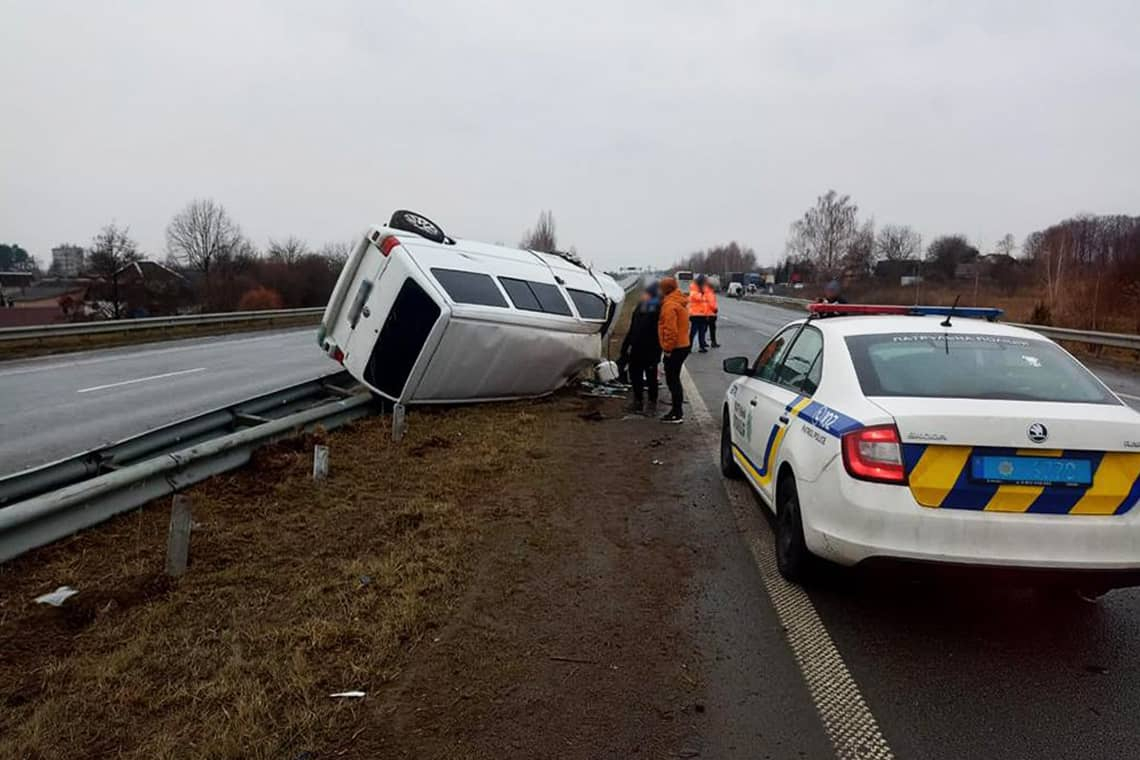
{"x": 874, "y": 453}
{"x": 388, "y": 243}
{"x": 337, "y": 355}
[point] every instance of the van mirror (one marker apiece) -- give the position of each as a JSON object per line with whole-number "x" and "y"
{"x": 737, "y": 365}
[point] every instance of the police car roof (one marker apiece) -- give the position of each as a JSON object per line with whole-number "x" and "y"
{"x": 893, "y": 323}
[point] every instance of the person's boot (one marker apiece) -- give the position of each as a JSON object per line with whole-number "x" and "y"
{"x": 672, "y": 418}
{"x": 636, "y": 406}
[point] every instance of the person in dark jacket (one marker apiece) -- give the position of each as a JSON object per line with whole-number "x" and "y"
{"x": 642, "y": 351}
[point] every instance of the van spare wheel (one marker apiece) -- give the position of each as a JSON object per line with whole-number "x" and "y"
{"x": 410, "y": 221}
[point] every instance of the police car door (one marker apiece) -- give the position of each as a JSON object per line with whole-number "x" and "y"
{"x": 750, "y": 420}
{"x": 783, "y": 386}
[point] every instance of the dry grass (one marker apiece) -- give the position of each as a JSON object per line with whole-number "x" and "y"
{"x": 63, "y": 344}
{"x": 295, "y": 590}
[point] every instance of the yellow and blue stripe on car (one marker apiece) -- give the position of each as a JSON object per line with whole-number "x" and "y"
{"x": 940, "y": 477}
{"x": 819, "y": 415}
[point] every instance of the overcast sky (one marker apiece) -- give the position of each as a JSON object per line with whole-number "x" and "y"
{"x": 650, "y": 128}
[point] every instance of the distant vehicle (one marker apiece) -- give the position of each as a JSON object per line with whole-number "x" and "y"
{"x": 418, "y": 317}
{"x": 713, "y": 281}
{"x": 753, "y": 278}
{"x": 684, "y": 279}
{"x": 736, "y": 277}
{"x": 867, "y": 440}
{"x": 735, "y": 289}
{"x": 751, "y": 287}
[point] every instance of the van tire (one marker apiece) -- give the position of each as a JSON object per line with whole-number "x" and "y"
{"x": 410, "y": 221}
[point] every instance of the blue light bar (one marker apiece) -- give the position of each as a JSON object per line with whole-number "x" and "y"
{"x": 849, "y": 310}
{"x": 969, "y": 312}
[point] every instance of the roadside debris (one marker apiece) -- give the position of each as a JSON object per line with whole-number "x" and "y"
{"x": 57, "y": 597}
{"x": 347, "y": 695}
{"x": 320, "y": 462}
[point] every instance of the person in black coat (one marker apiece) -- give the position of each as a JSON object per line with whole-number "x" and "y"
{"x": 642, "y": 351}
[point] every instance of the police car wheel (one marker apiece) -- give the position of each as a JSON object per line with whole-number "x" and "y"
{"x": 793, "y": 558}
{"x": 728, "y": 466}
{"x": 410, "y": 221}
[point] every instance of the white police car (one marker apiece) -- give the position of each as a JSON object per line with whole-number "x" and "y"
{"x": 905, "y": 433}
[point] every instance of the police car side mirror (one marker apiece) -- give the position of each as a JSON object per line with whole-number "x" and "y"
{"x": 737, "y": 365}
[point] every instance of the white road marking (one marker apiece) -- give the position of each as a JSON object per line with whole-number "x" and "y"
{"x": 123, "y": 353}
{"x": 141, "y": 380}
{"x": 853, "y": 730}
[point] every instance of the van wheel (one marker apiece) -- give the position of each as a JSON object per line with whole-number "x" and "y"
{"x": 795, "y": 560}
{"x": 410, "y": 221}
{"x": 728, "y": 466}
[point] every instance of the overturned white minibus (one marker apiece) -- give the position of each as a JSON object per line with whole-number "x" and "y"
{"x": 420, "y": 318}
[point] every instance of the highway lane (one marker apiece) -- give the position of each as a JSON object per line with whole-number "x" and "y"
{"x": 968, "y": 667}
{"x": 53, "y": 407}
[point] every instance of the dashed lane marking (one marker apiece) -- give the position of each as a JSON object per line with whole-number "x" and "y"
{"x": 141, "y": 379}
{"x": 848, "y": 721}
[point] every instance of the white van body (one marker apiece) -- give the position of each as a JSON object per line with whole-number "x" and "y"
{"x": 420, "y": 322}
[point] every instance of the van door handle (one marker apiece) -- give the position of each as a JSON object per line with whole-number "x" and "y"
{"x": 784, "y": 419}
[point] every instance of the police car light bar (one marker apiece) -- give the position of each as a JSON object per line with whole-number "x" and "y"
{"x": 850, "y": 309}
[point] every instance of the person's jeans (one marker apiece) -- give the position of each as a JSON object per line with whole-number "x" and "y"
{"x": 644, "y": 378}
{"x": 712, "y": 330}
{"x": 697, "y": 327}
{"x": 673, "y": 363}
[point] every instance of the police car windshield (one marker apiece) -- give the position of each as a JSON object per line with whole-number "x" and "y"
{"x": 963, "y": 365}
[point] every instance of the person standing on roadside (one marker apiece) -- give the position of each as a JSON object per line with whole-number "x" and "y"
{"x": 641, "y": 350}
{"x": 699, "y": 311}
{"x": 832, "y": 293}
{"x": 673, "y": 333}
{"x": 710, "y": 294}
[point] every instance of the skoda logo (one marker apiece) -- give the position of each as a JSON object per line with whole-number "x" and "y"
{"x": 1037, "y": 433}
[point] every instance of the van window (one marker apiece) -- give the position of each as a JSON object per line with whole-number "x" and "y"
{"x": 590, "y": 305}
{"x": 470, "y": 287}
{"x": 535, "y": 296}
{"x": 401, "y": 339}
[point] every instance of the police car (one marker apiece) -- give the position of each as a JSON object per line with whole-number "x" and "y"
{"x": 933, "y": 433}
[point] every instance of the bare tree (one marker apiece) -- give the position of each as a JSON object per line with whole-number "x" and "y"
{"x": 897, "y": 242}
{"x": 824, "y": 234}
{"x": 112, "y": 250}
{"x": 1006, "y": 245}
{"x": 337, "y": 253}
{"x": 290, "y": 250}
{"x": 859, "y": 260}
{"x": 200, "y": 234}
{"x": 542, "y": 237}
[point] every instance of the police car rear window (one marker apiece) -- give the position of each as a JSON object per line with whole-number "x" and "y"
{"x": 964, "y": 365}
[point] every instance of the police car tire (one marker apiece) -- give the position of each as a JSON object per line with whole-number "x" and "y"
{"x": 410, "y": 221}
{"x": 794, "y": 559}
{"x": 728, "y": 466}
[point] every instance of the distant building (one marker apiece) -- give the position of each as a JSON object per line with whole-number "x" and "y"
{"x": 67, "y": 260}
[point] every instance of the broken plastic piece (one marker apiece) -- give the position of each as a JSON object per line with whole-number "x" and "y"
{"x": 57, "y": 597}
{"x": 347, "y": 695}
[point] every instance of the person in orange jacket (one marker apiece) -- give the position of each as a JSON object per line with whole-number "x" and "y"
{"x": 673, "y": 332}
{"x": 702, "y": 310}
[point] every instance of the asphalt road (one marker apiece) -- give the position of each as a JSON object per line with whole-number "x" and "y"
{"x": 959, "y": 668}
{"x": 57, "y": 406}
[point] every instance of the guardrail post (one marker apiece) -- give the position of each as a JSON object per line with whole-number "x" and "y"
{"x": 399, "y": 422}
{"x": 320, "y": 462}
{"x": 178, "y": 539}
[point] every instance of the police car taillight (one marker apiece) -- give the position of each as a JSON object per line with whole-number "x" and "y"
{"x": 875, "y": 454}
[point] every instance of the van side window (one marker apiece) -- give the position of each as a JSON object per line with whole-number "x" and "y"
{"x": 470, "y": 287}
{"x": 590, "y": 305}
{"x": 535, "y": 296}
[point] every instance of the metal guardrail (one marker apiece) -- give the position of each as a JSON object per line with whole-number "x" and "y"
{"x": 1091, "y": 337}
{"x": 48, "y": 503}
{"x": 32, "y": 332}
